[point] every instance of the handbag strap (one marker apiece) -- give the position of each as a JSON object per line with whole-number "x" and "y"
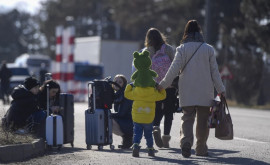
{"x": 181, "y": 71}
{"x": 223, "y": 99}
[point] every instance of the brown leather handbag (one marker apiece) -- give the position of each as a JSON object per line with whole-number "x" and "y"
{"x": 224, "y": 126}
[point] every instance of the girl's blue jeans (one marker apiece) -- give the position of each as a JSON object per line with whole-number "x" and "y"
{"x": 147, "y": 129}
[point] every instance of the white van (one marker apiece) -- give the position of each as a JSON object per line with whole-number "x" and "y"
{"x": 34, "y": 63}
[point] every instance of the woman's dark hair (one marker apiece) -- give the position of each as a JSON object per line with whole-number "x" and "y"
{"x": 191, "y": 27}
{"x": 52, "y": 84}
{"x": 123, "y": 79}
{"x": 154, "y": 38}
{"x": 43, "y": 94}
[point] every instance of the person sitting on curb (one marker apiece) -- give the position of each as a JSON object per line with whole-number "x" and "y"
{"x": 38, "y": 119}
{"x": 24, "y": 104}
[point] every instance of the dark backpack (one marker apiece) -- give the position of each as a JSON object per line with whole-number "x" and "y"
{"x": 104, "y": 94}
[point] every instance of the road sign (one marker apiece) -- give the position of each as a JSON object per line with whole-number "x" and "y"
{"x": 226, "y": 73}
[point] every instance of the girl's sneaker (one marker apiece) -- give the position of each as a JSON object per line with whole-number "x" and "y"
{"x": 157, "y": 136}
{"x": 135, "y": 150}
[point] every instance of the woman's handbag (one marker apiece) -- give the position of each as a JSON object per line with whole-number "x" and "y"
{"x": 224, "y": 125}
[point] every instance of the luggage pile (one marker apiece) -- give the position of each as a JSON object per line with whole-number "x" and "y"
{"x": 98, "y": 124}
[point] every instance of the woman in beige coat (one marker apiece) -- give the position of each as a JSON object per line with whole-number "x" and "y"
{"x": 196, "y": 87}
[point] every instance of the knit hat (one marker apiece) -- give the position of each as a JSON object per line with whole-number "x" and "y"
{"x": 30, "y": 82}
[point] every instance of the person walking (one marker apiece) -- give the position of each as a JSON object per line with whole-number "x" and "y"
{"x": 5, "y": 75}
{"x": 159, "y": 49}
{"x": 199, "y": 75}
{"x": 144, "y": 95}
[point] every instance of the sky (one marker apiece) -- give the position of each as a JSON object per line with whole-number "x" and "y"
{"x": 31, "y": 6}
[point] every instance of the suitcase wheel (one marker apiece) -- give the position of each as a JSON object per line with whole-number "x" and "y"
{"x": 112, "y": 147}
{"x": 59, "y": 147}
{"x": 89, "y": 147}
{"x": 72, "y": 145}
{"x": 49, "y": 147}
{"x": 100, "y": 147}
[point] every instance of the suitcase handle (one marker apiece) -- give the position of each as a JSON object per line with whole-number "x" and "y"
{"x": 94, "y": 96}
{"x": 48, "y": 98}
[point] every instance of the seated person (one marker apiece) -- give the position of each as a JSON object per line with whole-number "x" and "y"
{"x": 39, "y": 118}
{"x": 122, "y": 121}
{"x": 54, "y": 94}
{"x": 24, "y": 104}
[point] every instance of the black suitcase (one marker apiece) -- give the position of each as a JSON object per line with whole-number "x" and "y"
{"x": 66, "y": 103}
{"x": 98, "y": 123}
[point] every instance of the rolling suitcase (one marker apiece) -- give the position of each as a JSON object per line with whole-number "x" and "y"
{"x": 98, "y": 124}
{"x": 66, "y": 102}
{"x": 54, "y": 128}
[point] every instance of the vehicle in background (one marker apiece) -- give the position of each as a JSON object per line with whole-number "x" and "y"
{"x": 34, "y": 63}
{"x": 116, "y": 56}
{"x": 18, "y": 75}
{"x": 87, "y": 72}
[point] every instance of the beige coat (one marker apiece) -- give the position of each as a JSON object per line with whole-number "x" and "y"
{"x": 199, "y": 78}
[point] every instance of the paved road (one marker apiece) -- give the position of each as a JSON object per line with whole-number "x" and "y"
{"x": 251, "y": 145}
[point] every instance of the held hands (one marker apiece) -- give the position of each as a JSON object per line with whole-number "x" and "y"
{"x": 159, "y": 88}
{"x": 222, "y": 94}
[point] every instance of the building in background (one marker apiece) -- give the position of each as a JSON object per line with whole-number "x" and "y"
{"x": 115, "y": 56}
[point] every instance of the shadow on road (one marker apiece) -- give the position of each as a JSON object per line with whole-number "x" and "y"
{"x": 63, "y": 150}
{"x": 215, "y": 157}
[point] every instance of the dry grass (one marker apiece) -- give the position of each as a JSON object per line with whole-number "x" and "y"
{"x": 7, "y": 138}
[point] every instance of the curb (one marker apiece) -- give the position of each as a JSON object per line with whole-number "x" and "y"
{"x": 19, "y": 152}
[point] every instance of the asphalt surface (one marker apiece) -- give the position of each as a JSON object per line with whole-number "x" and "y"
{"x": 251, "y": 145}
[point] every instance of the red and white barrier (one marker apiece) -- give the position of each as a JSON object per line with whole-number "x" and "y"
{"x": 63, "y": 68}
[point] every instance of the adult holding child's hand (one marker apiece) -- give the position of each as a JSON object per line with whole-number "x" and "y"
{"x": 199, "y": 75}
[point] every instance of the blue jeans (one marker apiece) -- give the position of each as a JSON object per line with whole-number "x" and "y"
{"x": 147, "y": 129}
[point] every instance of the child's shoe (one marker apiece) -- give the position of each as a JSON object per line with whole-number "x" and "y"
{"x": 136, "y": 150}
{"x": 151, "y": 152}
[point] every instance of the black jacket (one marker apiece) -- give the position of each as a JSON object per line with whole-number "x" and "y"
{"x": 123, "y": 108}
{"x": 24, "y": 103}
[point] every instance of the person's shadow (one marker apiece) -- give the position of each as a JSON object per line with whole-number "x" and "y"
{"x": 215, "y": 157}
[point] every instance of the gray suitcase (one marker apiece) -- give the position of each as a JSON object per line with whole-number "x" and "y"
{"x": 98, "y": 124}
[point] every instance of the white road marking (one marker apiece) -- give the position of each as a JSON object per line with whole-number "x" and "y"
{"x": 248, "y": 140}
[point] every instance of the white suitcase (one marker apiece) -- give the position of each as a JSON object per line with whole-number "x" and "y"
{"x": 54, "y": 131}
